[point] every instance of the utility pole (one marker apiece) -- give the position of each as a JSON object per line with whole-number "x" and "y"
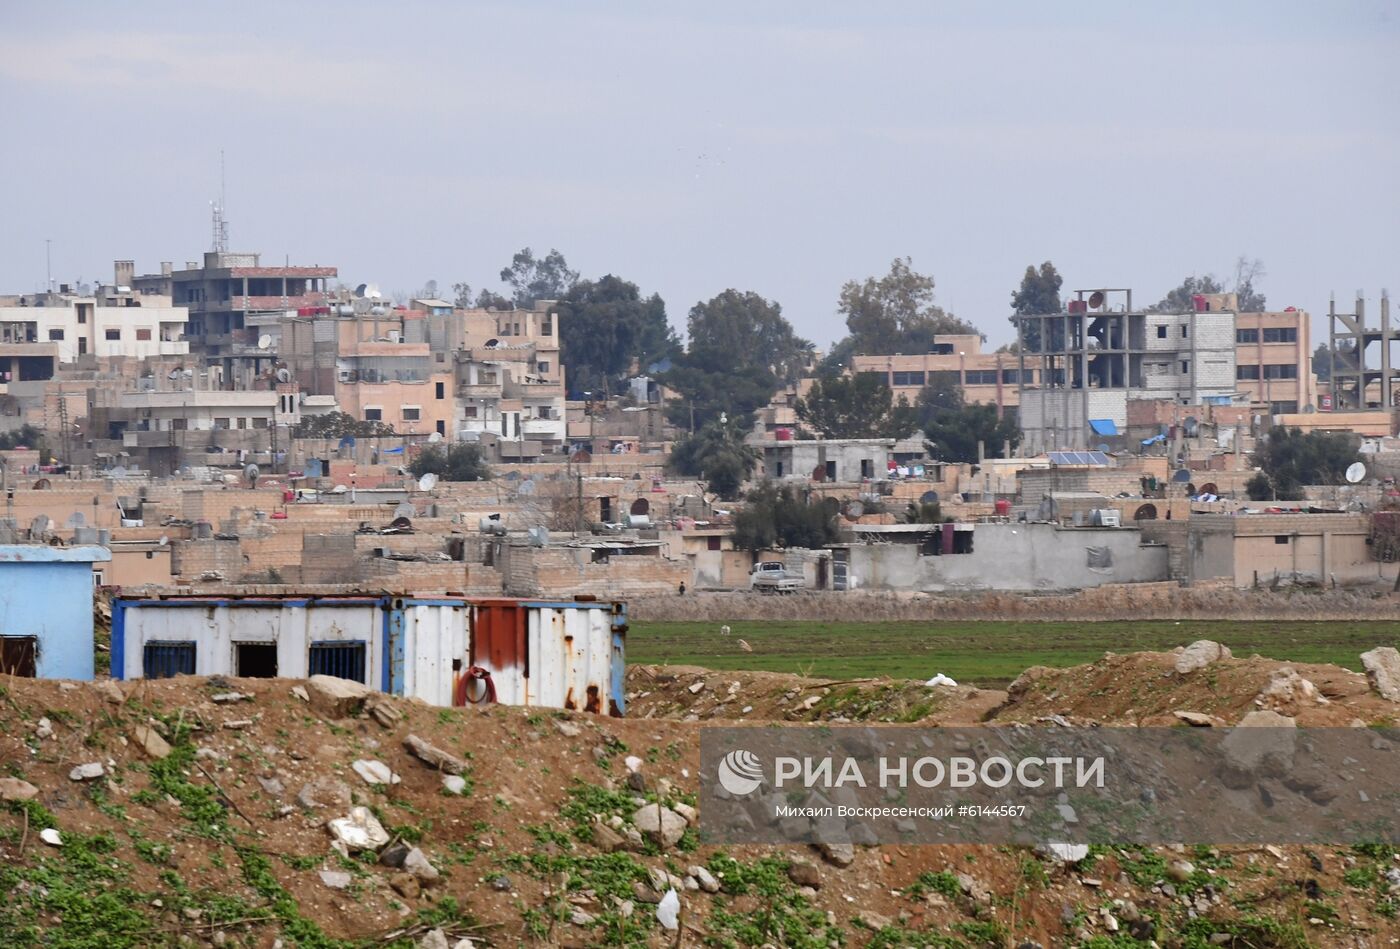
{"x": 48, "y": 265}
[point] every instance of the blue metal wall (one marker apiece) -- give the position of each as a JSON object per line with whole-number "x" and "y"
{"x": 47, "y": 593}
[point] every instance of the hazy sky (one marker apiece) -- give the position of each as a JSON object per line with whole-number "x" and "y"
{"x": 778, "y": 147}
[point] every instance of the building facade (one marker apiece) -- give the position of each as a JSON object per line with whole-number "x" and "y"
{"x": 985, "y": 378}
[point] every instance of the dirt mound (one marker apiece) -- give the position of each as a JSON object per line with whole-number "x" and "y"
{"x": 693, "y": 693}
{"x": 1111, "y": 602}
{"x": 210, "y": 811}
{"x": 1147, "y": 688}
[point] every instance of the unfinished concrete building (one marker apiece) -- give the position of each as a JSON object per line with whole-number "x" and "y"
{"x": 1364, "y": 366}
{"x": 1100, "y": 352}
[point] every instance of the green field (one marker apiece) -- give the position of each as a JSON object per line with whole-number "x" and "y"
{"x": 989, "y": 654}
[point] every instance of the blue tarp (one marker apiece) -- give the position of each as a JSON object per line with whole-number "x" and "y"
{"x": 1103, "y": 426}
{"x": 392, "y": 451}
{"x": 1154, "y": 439}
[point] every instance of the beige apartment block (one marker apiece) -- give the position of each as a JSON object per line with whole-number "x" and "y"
{"x": 1273, "y": 360}
{"x": 986, "y": 378}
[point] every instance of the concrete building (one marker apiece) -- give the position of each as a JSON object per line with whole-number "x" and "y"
{"x": 1100, "y": 352}
{"x": 38, "y": 332}
{"x": 994, "y": 556}
{"x": 46, "y": 610}
{"x": 986, "y": 378}
{"x": 1365, "y": 363}
{"x": 828, "y": 459}
{"x": 1273, "y": 360}
{"x": 233, "y": 299}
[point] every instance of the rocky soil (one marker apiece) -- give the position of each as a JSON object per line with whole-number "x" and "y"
{"x": 265, "y": 812}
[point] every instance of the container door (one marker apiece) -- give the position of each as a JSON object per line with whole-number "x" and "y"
{"x": 498, "y": 645}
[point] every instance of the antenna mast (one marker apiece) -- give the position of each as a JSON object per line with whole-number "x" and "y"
{"x": 220, "y": 225}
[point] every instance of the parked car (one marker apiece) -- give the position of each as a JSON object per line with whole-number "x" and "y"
{"x": 771, "y": 576}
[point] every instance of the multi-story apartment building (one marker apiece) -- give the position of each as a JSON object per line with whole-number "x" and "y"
{"x": 41, "y": 330}
{"x": 989, "y": 378}
{"x": 1273, "y": 360}
{"x": 1091, "y": 359}
{"x": 233, "y": 300}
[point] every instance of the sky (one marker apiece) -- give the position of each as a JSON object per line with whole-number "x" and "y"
{"x": 783, "y": 148}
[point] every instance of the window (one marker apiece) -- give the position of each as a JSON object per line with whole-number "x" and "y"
{"x": 374, "y": 415}
{"x": 712, "y": 543}
{"x": 441, "y": 427}
{"x": 113, "y": 334}
{"x": 161, "y": 660}
{"x": 259, "y": 421}
{"x": 1247, "y": 336}
{"x": 882, "y": 376}
{"x": 1185, "y": 332}
{"x": 542, "y": 366}
{"x": 1161, "y": 332}
{"x": 1281, "y": 371}
{"x": 82, "y": 313}
{"x": 1246, "y": 372}
{"x": 1281, "y": 538}
{"x": 1013, "y": 376}
{"x": 344, "y": 660}
{"x": 1283, "y": 408}
{"x": 439, "y": 390}
{"x": 220, "y": 423}
{"x": 55, "y": 335}
{"x": 19, "y": 656}
{"x": 909, "y": 378}
{"x": 82, "y": 345}
{"x": 980, "y": 377}
{"x": 143, "y": 334}
{"x": 1281, "y": 334}
{"x": 1185, "y": 367}
{"x": 547, "y": 325}
{"x": 469, "y": 411}
{"x": 412, "y": 413}
{"x": 255, "y": 660}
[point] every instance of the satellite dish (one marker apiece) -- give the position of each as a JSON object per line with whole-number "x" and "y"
{"x": 819, "y": 473}
{"x": 339, "y": 489}
{"x": 527, "y": 487}
{"x": 164, "y": 540}
{"x": 1181, "y": 475}
{"x": 284, "y": 375}
{"x": 512, "y": 476}
{"x": 427, "y": 482}
{"x": 641, "y": 506}
{"x": 492, "y": 343}
{"x": 188, "y": 373}
{"x": 117, "y": 472}
{"x": 40, "y": 524}
{"x": 1210, "y": 487}
{"x": 347, "y": 441}
{"x": 42, "y": 484}
{"x": 1145, "y": 512}
{"x": 1309, "y": 409}
{"x": 402, "y": 523}
{"x": 360, "y": 290}
{"x": 435, "y": 437}
{"x": 76, "y": 519}
{"x": 404, "y": 510}
{"x": 1355, "y": 472}
{"x": 1096, "y": 299}
{"x": 855, "y": 509}
{"x": 264, "y": 341}
{"x": 1105, "y": 449}
{"x": 251, "y": 472}
{"x": 372, "y": 291}
{"x": 173, "y": 374}
{"x": 928, "y": 497}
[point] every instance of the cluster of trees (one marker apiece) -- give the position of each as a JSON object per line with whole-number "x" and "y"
{"x": 460, "y": 461}
{"x": 1288, "y": 459}
{"x": 718, "y": 454}
{"x": 339, "y": 425}
{"x": 781, "y": 517}
{"x": 26, "y": 436}
{"x": 1250, "y": 300}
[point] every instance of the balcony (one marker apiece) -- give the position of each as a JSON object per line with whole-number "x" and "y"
{"x": 480, "y": 391}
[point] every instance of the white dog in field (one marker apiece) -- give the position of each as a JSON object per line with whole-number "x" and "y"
{"x": 724, "y": 630}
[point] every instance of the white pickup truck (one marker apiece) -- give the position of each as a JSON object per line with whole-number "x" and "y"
{"x": 771, "y": 576}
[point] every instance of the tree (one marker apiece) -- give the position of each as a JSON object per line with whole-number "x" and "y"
{"x": 859, "y": 406}
{"x": 531, "y": 279}
{"x": 605, "y": 326}
{"x": 26, "y": 435}
{"x": 780, "y": 517}
{"x": 1178, "y": 299}
{"x": 1288, "y": 460}
{"x": 718, "y": 454}
{"x": 429, "y": 291}
{"x": 339, "y": 425}
{"x": 461, "y": 461}
{"x": 1247, "y": 271}
{"x": 1039, "y": 293}
{"x": 1324, "y": 360}
{"x": 894, "y": 313}
{"x": 953, "y": 427}
{"x": 463, "y": 295}
{"x": 741, "y": 350}
{"x": 740, "y": 329}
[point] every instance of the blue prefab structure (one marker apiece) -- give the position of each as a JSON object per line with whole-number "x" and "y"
{"x": 443, "y": 650}
{"x": 46, "y": 610}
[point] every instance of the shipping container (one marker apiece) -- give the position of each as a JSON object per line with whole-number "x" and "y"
{"x": 444, "y": 650}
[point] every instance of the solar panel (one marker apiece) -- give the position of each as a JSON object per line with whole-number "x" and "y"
{"x": 1078, "y": 458}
